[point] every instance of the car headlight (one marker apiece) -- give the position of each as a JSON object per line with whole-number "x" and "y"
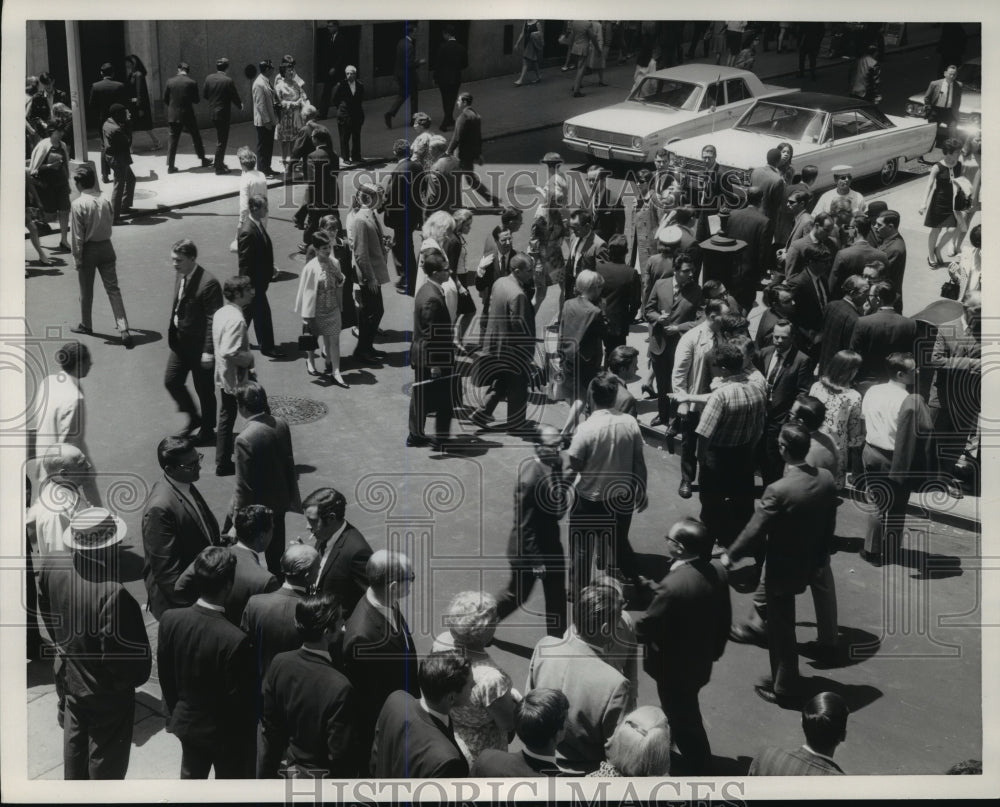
{"x": 569, "y": 130}
{"x": 915, "y": 109}
{"x": 975, "y": 118}
{"x": 637, "y": 142}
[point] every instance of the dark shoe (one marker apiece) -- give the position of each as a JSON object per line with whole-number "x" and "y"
{"x": 205, "y": 437}
{"x": 657, "y": 421}
{"x": 578, "y": 95}
{"x": 225, "y": 470}
{"x": 416, "y": 441}
{"x": 173, "y": 169}
{"x": 273, "y": 353}
{"x": 188, "y": 431}
{"x": 872, "y": 558}
{"x": 206, "y": 163}
{"x": 83, "y": 330}
{"x": 128, "y": 341}
{"x": 684, "y": 490}
{"x": 63, "y": 247}
{"x": 224, "y": 170}
{"x": 648, "y": 391}
{"x": 766, "y": 693}
{"x": 388, "y": 120}
{"x": 130, "y": 209}
{"x": 120, "y": 222}
{"x": 106, "y": 180}
{"x": 744, "y": 634}
{"x": 480, "y": 418}
{"x": 367, "y": 358}
{"x": 826, "y": 654}
{"x": 273, "y": 175}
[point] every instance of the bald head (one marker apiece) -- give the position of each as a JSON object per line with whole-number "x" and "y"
{"x": 547, "y": 435}
{"x": 299, "y": 563}
{"x": 64, "y": 459}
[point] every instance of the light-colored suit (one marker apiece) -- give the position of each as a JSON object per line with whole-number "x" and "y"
{"x": 690, "y": 372}
{"x": 263, "y": 103}
{"x": 366, "y": 236}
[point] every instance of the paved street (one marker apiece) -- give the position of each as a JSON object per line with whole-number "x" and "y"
{"x": 913, "y": 685}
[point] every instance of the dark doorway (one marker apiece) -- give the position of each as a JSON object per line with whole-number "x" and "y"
{"x": 553, "y": 29}
{"x": 55, "y": 37}
{"x": 101, "y": 41}
{"x": 351, "y": 36}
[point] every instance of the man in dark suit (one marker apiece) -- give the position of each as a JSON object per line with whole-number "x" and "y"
{"x": 323, "y": 175}
{"x": 772, "y": 186}
{"x": 498, "y": 249}
{"x": 404, "y": 71}
{"x": 467, "y": 145}
{"x": 509, "y": 346}
{"x": 943, "y": 100}
{"x": 886, "y": 230}
{"x": 788, "y": 213}
{"x": 265, "y": 466}
{"x": 685, "y": 629}
{"x": 331, "y": 66}
{"x": 402, "y": 213}
{"x": 206, "y": 673}
{"x": 255, "y": 254}
{"x": 177, "y": 524}
{"x": 448, "y": 65}
{"x": 840, "y": 318}
{"x": 533, "y": 548}
{"x": 749, "y": 224}
{"x": 309, "y": 710}
{"x": 102, "y": 651}
{"x": 538, "y": 720}
{"x": 788, "y": 373}
{"x": 432, "y": 357}
{"x": 798, "y": 514}
{"x": 685, "y": 220}
{"x": 118, "y": 151}
{"x": 620, "y": 294}
{"x": 197, "y": 296}
{"x": 854, "y": 256}
{"x": 414, "y": 737}
{"x": 103, "y": 94}
{"x": 180, "y": 95}
{"x": 820, "y": 236}
{"x": 809, "y": 289}
{"x": 880, "y": 333}
{"x": 343, "y": 551}
{"x": 221, "y": 94}
{"x": 269, "y": 618}
{"x": 824, "y": 723}
{"x": 586, "y": 248}
{"x": 253, "y": 525}
{"x": 379, "y": 655}
{"x": 609, "y": 215}
{"x": 349, "y": 99}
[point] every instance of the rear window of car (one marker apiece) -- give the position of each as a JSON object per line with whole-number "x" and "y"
{"x": 666, "y": 92}
{"x": 786, "y": 122}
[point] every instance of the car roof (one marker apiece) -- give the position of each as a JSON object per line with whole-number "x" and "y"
{"x": 819, "y": 100}
{"x": 699, "y": 72}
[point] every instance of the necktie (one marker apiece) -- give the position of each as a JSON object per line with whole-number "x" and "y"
{"x": 947, "y": 95}
{"x": 180, "y": 296}
{"x": 256, "y": 557}
{"x": 204, "y": 513}
{"x": 772, "y": 376}
{"x": 820, "y": 291}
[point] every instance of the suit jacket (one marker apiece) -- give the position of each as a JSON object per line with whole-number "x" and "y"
{"x": 195, "y": 310}
{"x": 333, "y": 58}
{"x": 795, "y": 378}
{"x": 255, "y": 255}
{"x": 798, "y": 513}
{"x": 957, "y": 355}
{"x": 620, "y": 296}
{"x": 467, "y": 139}
{"x": 117, "y": 142}
{"x": 405, "y": 63}
{"x": 785, "y": 221}
{"x": 221, "y": 93}
{"x": 686, "y": 627}
{"x": 936, "y": 90}
{"x": 750, "y": 225}
{"x": 324, "y": 172}
{"x": 433, "y": 339}
{"x": 510, "y": 330}
{"x": 402, "y": 202}
{"x": 808, "y": 315}
{"x": 851, "y": 261}
{"x": 794, "y": 255}
{"x": 172, "y": 537}
{"x": 349, "y": 104}
{"x": 103, "y": 94}
{"x": 206, "y": 673}
{"x": 344, "y": 573}
{"x": 269, "y": 621}
{"x": 540, "y": 500}
{"x": 597, "y": 693}
{"x": 451, "y": 58}
{"x": 96, "y": 626}
{"x": 770, "y": 181}
{"x": 682, "y": 306}
{"x": 308, "y": 718}
{"x": 839, "y": 321}
{"x": 592, "y": 249}
{"x": 895, "y": 250}
{"x": 876, "y": 336}
{"x": 251, "y": 578}
{"x": 369, "y": 253}
{"x": 180, "y": 95}
{"x": 378, "y": 659}
{"x": 609, "y": 216}
{"x": 265, "y": 467}
{"x": 412, "y": 743}
{"x": 798, "y": 762}
{"x": 513, "y": 764}
{"x": 263, "y": 97}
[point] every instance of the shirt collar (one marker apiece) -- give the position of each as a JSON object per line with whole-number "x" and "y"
{"x": 297, "y": 589}
{"x": 678, "y": 562}
{"x": 817, "y": 753}
{"x": 323, "y": 654}
{"x": 434, "y": 713}
{"x": 336, "y": 536}
{"x": 548, "y": 758}
{"x": 210, "y": 606}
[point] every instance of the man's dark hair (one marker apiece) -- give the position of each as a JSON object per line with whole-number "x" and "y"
{"x": 321, "y": 137}
{"x": 222, "y": 63}
{"x": 508, "y": 216}
{"x": 898, "y": 363}
{"x": 434, "y": 262}
{"x": 821, "y": 219}
{"x": 70, "y": 356}
{"x": 449, "y": 30}
{"x": 800, "y": 196}
{"x": 540, "y": 716}
{"x": 621, "y": 357}
{"x": 214, "y": 569}
{"x": 709, "y": 147}
{"x": 890, "y": 217}
{"x": 596, "y": 612}
{"x": 585, "y": 217}
{"x": 683, "y": 216}
{"x": 817, "y": 256}
{"x": 713, "y": 289}
{"x": 785, "y": 323}
{"x": 251, "y": 523}
{"x": 809, "y": 173}
{"x": 862, "y": 224}
{"x": 754, "y": 196}
{"x": 320, "y": 239}
{"x": 824, "y": 720}
{"x": 236, "y": 285}
{"x": 617, "y": 248}
{"x": 186, "y": 248}
{"x": 976, "y": 236}
{"x": 811, "y": 411}
{"x": 251, "y": 397}
{"x": 107, "y": 70}
{"x": 171, "y": 449}
{"x": 796, "y": 439}
{"x": 781, "y": 288}
{"x": 884, "y": 292}
{"x": 727, "y": 358}
{"x": 329, "y": 503}
{"x": 683, "y": 257}
{"x": 733, "y": 324}
{"x": 256, "y": 203}
{"x": 713, "y": 307}
{"x": 443, "y": 673}
{"x": 184, "y": 66}
{"x": 604, "y": 388}
{"x": 315, "y": 615}
{"x": 853, "y": 285}
{"x": 877, "y": 265}
{"x": 85, "y": 177}
{"x": 644, "y": 175}
{"x": 662, "y": 153}
{"x": 773, "y": 156}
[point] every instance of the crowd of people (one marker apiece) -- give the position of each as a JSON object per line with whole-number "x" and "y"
{"x": 284, "y": 658}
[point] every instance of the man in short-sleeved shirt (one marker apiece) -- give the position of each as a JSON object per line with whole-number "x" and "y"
{"x": 233, "y": 362}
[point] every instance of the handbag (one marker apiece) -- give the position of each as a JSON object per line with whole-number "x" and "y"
{"x": 963, "y": 193}
{"x": 949, "y": 290}
{"x": 308, "y": 340}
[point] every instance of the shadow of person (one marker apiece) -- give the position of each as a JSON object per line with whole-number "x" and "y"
{"x": 854, "y": 646}
{"x": 856, "y": 696}
{"x": 851, "y": 545}
{"x": 929, "y": 565}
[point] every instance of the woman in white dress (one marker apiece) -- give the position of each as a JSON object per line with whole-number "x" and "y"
{"x": 319, "y": 301}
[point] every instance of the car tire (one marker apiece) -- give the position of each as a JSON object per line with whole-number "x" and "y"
{"x": 889, "y": 172}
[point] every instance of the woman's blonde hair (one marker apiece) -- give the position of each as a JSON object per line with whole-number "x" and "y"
{"x": 589, "y": 284}
{"x": 640, "y": 745}
{"x": 439, "y": 226}
{"x": 472, "y": 618}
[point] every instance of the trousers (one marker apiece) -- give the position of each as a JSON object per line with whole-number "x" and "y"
{"x": 449, "y": 94}
{"x": 599, "y": 528}
{"x": 222, "y": 140}
{"x": 259, "y": 313}
{"x": 97, "y": 735}
{"x": 175, "y": 380}
{"x": 230, "y": 760}
{"x": 725, "y": 488}
{"x": 371, "y": 309}
{"x": 885, "y": 524}
{"x": 679, "y": 701}
{"x": 99, "y": 256}
{"x": 436, "y": 396}
{"x": 265, "y": 148}
{"x": 350, "y": 139}
{"x": 190, "y": 125}
{"x": 407, "y": 87}
{"x": 123, "y": 193}
{"x": 522, "y": 583}
{"x": 784, "y": 656}
{"x": 224, "y": 441}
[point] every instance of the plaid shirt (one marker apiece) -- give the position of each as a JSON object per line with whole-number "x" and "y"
{"x": 734, "y": 413}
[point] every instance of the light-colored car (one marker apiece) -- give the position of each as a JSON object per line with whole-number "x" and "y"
{"x": 677, "y": 102}
{"x": 970, "y": 113}
{"x": 823, "y": 130}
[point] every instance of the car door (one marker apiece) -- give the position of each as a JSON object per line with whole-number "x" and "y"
{"x": 848, "y": 144}
{"x": 713, "y": 114}
{"x": 738, "y": 98}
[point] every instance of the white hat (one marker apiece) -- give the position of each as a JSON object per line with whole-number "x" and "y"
{"x": 669, "y": 235}
{"x": 94, "y": 528}
{"x": 837, "y": 170}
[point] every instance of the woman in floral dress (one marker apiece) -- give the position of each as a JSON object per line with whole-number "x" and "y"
{"x": 319, "y": 302}
{"x": 288, "y": 88}
{"x": 843, "y": 420}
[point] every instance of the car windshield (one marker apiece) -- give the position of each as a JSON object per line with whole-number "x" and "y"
{"x": 666, "y": 92}
{"x": 971, "y": 76}
{"x": 784, "y": 122}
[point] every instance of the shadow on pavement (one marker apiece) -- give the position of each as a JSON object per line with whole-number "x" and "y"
{"x": 929, "y": 565}
{"x": 857, "y": 696}
{"x": 513, "y": 648}
{"x": 856, "y": 645}
{"x": 852, "y": 545}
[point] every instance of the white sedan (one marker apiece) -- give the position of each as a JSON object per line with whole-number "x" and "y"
{"x": 668, "y": 104}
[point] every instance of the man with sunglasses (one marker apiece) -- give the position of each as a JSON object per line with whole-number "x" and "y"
{"x": 842, "y": 176}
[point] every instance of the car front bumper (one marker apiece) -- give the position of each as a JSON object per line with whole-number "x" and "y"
{"x": 606, "y": 151}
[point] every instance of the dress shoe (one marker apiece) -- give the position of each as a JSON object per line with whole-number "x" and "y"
{"x": 338, "y": 379}
{"x": 225, "y": 470}
{"x": 173, "y": 169}
{"x": 744, "y": 634}
{"x": 419, "y": 441}
{"x": 657, "y": 421}
{"x": 204, "y": 437}
{"x": 871, "y": 557}
{"x": 188, "y": 431}
{"x": 130, "y": 209}
{"x": 366, "y": 358}
{"x": 106, "y": 180}
{"x": 578, "y": 95}
{"x": 648, "y": 391}
{"x": 223, "y": 170}
{"x": 480, "y": 418}
{"x": 388, "y": 120}
{"x": 766, "y": 693}
{"x": 127, "y": 340}
{"x": 82, "y": 329}
{"x": 120, "y": 222}
{"x": 273, "y": 353}
{"x": 684, "y": 490}
{"x": 206, "y": 163}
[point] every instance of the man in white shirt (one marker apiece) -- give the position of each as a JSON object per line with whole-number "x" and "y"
{"x": 842, "y": 176}
{"x": 59, "y": 497}
{"x": 880, "y": 409}
{"x": 265, "y": 118}
{"x": 233, "y": 364}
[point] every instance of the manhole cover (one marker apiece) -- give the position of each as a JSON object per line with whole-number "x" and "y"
{"x": 295, "y": 411}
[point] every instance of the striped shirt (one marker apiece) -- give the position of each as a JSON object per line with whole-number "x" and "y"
{"x": 90, "y": 220}
{"x": 734, "y": 413}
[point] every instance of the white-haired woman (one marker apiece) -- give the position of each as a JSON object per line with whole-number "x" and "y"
{"x": 640, "y": 746}
{"x": 252, "y": 183}
{"x": 457, "y": 251}
{"x": 422, "y": 136}
{"x": 488, "y": 719}
{"x": 437, "y": 232}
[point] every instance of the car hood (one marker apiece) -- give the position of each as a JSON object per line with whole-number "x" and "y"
{"x": 631, "y": 117}
{"x": 972, "y": 100}
{"x": 736, "y": 149}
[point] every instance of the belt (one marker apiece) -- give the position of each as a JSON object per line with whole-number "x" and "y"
{"x": 888, "y": 451}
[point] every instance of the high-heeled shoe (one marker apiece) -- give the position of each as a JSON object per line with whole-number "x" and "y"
{"x": 311, "y": 369}
{"x": 338, "y": 379}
